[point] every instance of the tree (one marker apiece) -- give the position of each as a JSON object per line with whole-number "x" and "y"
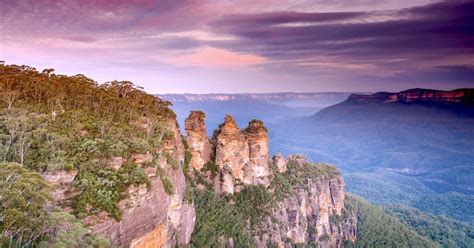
{"x": 65, "y": 230}
{"x": 22, "y": 129}
{"x": 23, "y": 197}
{"x": 9, "y": 97}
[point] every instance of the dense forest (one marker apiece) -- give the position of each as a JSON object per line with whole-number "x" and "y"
{"x": 443, "y": 230}
{"x": 51, "y": 122}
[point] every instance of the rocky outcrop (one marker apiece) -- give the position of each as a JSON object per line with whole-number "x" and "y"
{"x": 150, "y": 217}
{"x": 280, "y": 162}
{"x": 62, "y": 183}
{"x": 418, "y": 95}
{"x": 313, "y": 215}
{"x": 198, "y": 142}
{"x": 241, "y": 155}
{"x": 153, "y": 218}
{"x": 257, "y": 139}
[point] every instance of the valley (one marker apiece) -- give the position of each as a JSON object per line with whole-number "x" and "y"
{"x": 415, "y": 153}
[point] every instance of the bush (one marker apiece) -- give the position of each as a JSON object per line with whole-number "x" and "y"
{"x": 212, "y": 167}
{"x": 216, "y": 218}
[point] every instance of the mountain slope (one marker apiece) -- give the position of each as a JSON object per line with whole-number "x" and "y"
{"x": 394, "y": 150}
{"x": 375, "y": 228}
{"x": 447, "y": 232}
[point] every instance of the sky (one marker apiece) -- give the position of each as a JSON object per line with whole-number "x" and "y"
{"x": 225, "y": 46}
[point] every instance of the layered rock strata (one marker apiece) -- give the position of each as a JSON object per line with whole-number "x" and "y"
{"x": 197, "y": 140}
{"x": 313, "y": 215}
{"x": 240, "y": 155}
{"x": 150, "y": 217}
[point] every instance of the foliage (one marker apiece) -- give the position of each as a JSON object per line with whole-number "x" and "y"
{"x": 23, "y": 197}
{"x": 51, "y": 122}
{"x": 238, "y": 216}
{"x": 25, "y": 220}
{"x": 375, "y": 228}
{"x": 297, "y": 176}
{"x": 99, "y": 191}
{"x": 171, "y": 161}
{"x": 216, "y": 221}
{"x": 455, "y": 205}
{"x": 447, "y": 232}
{"x": 167, "y": 185}
{"x": 64, "y": 230}
{"x": 49, "y": 92}
{"x": 212, "y": 167}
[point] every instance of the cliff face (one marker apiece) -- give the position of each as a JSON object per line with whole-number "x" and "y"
{"x": 313, "y": 214}
{"x": 198, "y": 142}
{"x": 150, "y": 217}
{"x": 241, "y": 155}
{"x": 419, "y": 95}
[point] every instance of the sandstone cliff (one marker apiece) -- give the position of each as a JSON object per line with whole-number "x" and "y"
{"x": 241, "y": 155}
{"x": 304, "y": 202}
{"x": 150, "y": 217}
{"x": 198, "y": 142}
{"x": 311, "y": 214}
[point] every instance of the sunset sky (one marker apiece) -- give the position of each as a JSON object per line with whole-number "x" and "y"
{"x": 229, "y": 46}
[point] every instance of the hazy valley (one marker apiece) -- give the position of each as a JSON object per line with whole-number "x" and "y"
{"x": 416, "y": 152}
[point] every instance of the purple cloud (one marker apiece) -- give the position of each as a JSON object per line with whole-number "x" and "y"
{"x": 315, "y": 43}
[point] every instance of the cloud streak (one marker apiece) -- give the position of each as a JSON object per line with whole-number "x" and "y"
{"x": 315, "y": 43}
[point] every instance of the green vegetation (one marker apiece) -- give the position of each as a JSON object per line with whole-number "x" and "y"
{"x": 297, "y": 176}
{"x": 447, "y": 232}
{"x": 26, "y": 222}
{"x": 212, "y": 167}
{"x": 238, "y": 216}
{"x": 23, "y": 196}
{"x": 454, "y": 205}
{"x": 64, "y": 230}
{"x": 375, "y": 228}
{"x": 217, "y": 220}
{"x": 51, "y": 122}
{"x": 168, "y": 187}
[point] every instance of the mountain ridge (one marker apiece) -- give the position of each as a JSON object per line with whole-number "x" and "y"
{"x": 463, "y": 95}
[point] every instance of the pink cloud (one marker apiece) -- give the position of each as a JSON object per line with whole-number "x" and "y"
{"x": 215, "y": 57}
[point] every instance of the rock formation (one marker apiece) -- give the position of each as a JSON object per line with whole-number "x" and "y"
{"x": 312, "y": 215}
{"x": 198, "y": 142}
{"x": 241, "y": 155}
{"x": 280, "y": 163}
{"x": 154, "y": 218}
{"x": 150, "y": 217}
{"x": 257, "y": 138}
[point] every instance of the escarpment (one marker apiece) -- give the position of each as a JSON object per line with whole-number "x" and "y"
{"x": 281, "y": 201}
{"x": 418, "y": 96}
{"x": 303, "y": 202}
{"x": 312, "y": 212}
{"x": 154, "y": 216}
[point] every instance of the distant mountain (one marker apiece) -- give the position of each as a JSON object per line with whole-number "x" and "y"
{"x": 268, "y": 107}
{"x": 411, "y": 147}
{"x": 418, "y": 96}
{"x": 294, "y": 99}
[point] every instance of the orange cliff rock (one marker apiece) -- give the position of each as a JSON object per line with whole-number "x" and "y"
{"x": 198, "y": 142}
